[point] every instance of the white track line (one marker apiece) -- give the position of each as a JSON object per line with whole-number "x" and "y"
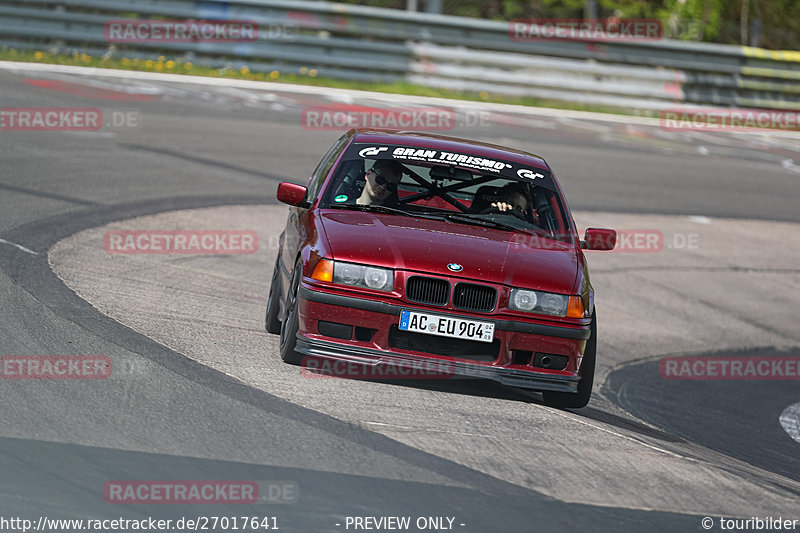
{"x": 789, "y": 164}
{"x": 790, "y": 420}
{"x": 26, "y": 250}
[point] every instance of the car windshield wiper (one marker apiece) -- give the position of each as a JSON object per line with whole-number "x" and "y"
{"x": 383, "y": 209}
{"x": 453, "y": 217}
{"x": 468, "y": 219}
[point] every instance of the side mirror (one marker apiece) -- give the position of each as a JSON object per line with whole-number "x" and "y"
{"x": 292, "y": 194}
{"x": 599, "y": 239}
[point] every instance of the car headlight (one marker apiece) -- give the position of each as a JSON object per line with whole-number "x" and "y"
{"x": 523, "y": 300}
{"x": 370, "y": 277}
{"x": 546, "y": 303}
{"x": 376, "y": 278}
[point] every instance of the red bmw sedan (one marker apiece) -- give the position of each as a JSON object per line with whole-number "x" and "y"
{"x": 406, "y": 249}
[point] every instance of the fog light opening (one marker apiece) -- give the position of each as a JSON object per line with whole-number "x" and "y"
{"x": 364, "y": 334}
{"x": 335, "y": 330}
{"x": 550, "y": 361}
{"x": 521, "y": 357}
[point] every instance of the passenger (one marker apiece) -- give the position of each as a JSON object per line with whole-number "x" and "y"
{"x": 511, "y": 197}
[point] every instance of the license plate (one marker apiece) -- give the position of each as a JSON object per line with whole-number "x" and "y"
{"x": 446, "y": 326}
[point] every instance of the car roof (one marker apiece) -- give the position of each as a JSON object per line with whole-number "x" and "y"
{"x": 450, "y": 144}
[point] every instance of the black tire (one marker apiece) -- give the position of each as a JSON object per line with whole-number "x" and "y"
{"x": 291, "y": 321}
{"x": 271, "y": 323}
{"x": 576, "y": 400}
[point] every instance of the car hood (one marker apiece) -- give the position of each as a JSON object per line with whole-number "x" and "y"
{"x": 424, "y": 245}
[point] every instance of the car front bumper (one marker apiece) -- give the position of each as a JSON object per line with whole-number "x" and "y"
{"x": 376, "y": 354}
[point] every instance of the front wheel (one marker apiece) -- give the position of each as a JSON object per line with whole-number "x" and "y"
{"x": 291, "y": 322}
{"x": 576, "y": 400}
{"x": 271, "y": 322}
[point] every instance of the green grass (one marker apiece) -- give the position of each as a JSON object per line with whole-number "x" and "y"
{"x": 304, "y": 77}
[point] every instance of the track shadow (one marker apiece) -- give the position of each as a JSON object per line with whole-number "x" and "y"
{"x": 67, "y": 481}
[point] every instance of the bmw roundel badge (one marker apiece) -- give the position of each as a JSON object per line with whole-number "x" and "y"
{"x": 455, "y": 267}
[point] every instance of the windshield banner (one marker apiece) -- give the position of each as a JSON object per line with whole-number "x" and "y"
{"x": 414, "y": 155}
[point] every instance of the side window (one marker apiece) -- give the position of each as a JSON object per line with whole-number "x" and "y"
{"x": 324, "y": 167}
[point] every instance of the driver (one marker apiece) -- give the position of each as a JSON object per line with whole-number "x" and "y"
{"x": 381, "y": 183}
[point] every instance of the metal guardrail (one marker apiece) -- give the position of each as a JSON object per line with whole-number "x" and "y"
{"x": 580, "y": 81}
{"x": 357, "y": 42}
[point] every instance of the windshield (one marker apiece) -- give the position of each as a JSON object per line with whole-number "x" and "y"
{"x": 481, "y": 196}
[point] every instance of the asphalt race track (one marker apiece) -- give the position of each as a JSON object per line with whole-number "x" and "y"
{"x": 198, "y": 391}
